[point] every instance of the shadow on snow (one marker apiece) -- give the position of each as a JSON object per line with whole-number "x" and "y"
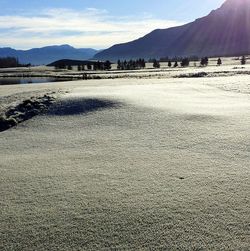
{"x": 81, "y": 106}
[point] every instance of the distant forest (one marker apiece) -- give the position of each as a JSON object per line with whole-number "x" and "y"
{"x": 10, "y": 62}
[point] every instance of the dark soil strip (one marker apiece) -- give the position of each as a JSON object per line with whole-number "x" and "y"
{"x": 25, "y": 110}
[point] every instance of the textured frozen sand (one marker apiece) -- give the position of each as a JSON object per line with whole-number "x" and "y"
{"x": 163, "y": 165}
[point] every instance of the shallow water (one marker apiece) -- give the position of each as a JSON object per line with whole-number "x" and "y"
{"x": 30, "y": 80}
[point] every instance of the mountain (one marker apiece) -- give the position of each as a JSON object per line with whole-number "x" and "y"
{"x": 224, "y": 32}
{"x": 46, "y": 55}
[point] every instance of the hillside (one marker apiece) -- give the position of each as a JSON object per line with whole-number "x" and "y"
{"x": 223, "y": 32}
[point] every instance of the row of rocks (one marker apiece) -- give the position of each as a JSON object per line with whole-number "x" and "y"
{"x": 25, "y": 110}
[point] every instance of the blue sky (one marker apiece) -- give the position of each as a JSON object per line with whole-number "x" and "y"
{"x": 91, "y": 23}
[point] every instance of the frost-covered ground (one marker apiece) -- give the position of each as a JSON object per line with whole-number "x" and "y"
{"x": 130, "y": 164}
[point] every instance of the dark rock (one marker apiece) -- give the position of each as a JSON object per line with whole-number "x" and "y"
{"x": 4, "y": 125}
{"x": 24, "y": 111}
{"x": 29, "y": 106}
{"x": 20, "y": 117}
{"x": 26, "y": 102}
{"x": 11, "y": 122}
{"x": 32, "y": 113}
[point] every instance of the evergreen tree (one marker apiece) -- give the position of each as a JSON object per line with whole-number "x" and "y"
{"x": 89, "y": 66}
{"x": 185, "y": 62}
{"x": 69, "y": 67}
{"x": 169, "y": 63}
{"x": 95, "y": 67}
{"x": 125, "y": 65}
{"x": 204, "y": 61}
{"x": 176, "y": 64}
{"x": 131, "y": 65}
{"x": 219, "y": 62}
{"x": 143, "y": 63}
{"x": 107, "y": 65}
{"x": 243, "y": 60}
{"x": 119, "y": 66}
{"x": 156, "y": 64}
{"x": 100, "y": 65}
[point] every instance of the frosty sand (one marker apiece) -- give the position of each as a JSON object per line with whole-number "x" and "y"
{"x": 140, "y": 164}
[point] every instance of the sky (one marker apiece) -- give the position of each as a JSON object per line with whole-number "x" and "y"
{"x": 95, "y": 24}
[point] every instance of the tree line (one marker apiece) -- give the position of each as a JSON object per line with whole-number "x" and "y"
{"x": 141, "y": 63}
{"x": 131, "y": 64}
{"x": 96, "y": 66}
{"x": 185, "y": 62}
{"x": 10, "y": 62}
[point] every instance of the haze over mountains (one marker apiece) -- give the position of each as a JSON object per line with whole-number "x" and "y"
{"x": 46, "y": 55}
{"x": 224, "y": 32}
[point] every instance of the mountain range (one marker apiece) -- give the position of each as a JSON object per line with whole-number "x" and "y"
{"x": 48, "y": 54}
{"x": 224, "y": 32}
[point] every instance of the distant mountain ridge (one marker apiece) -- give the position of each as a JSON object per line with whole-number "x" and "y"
{"x": 48, "y": 54}
{"x": 224, "y": 32}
